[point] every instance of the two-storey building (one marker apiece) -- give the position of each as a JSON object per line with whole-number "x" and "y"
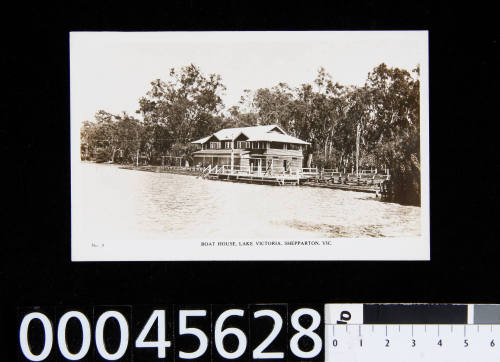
{"x": 252, "y": 148}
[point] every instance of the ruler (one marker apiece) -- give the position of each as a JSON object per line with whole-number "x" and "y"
{"x": 412, "y": 332}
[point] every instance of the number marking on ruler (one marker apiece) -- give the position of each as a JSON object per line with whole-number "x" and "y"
{"x": 392, "y": 342}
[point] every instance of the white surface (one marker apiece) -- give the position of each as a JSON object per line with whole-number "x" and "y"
{"x": 354, "y": 53}
{"x": 374, "y": 339}
{"x": 344, "y": 313}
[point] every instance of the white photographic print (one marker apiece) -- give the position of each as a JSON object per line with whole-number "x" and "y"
{"x": 249, "y": 146}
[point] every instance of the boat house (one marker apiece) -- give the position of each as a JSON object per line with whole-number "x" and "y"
{"x": 251, "y": 148}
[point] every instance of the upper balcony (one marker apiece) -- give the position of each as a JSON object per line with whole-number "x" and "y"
{"x": 260, "y": 147}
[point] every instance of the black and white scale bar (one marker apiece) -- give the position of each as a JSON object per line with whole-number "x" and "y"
{"x": 412, "y": 332}
{"x": 412, "y": 314}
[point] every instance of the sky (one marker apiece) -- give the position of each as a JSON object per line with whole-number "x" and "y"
{"x": 112, "y": 70}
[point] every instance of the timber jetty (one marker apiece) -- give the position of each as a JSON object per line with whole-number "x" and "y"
{"x": 369, "y": 181}
{"x": 270, "y": 176}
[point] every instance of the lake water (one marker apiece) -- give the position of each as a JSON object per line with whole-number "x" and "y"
{"x": 128, "y": 204}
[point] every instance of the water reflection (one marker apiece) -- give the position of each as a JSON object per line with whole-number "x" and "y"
{"x": 122, "y": 203}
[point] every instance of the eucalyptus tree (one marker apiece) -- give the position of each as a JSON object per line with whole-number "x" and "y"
{"x": 385, "y": 112}
{"x": 394, "y": 127}
{"x": 130, "y": 134}
{"x": 88, "y": 139}
{"x": 105, "y": 135}
{"x": 186, "y": 106}
{"x": 244, "y": 113}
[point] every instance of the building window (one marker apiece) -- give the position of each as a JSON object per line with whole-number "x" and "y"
{"x": 228, "y": 145}
{"x": 214, "y": 145}
{"x": 242, "y": 144}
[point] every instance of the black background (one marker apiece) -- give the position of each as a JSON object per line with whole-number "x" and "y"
{"x": 34, "y": 141}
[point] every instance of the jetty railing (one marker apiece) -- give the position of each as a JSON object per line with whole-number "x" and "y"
{"x": 252, "y": 170}
{"x": 205, "y": 171}
{"x": 274, "y": 170}
{"x": 310, "y": 171}
{"x": 333, "y": 175}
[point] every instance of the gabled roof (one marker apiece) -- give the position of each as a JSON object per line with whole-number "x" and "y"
{"x": 202, "y": 140}
{"x": 272, "y": 133}
{"x": 278, "y": 137}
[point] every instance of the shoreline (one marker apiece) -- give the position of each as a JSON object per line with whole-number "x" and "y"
{"x": 327, "y": 212}
{"x": 193, "y": 171}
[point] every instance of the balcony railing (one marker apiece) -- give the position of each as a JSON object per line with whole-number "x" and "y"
{"x": 255, "y": 150}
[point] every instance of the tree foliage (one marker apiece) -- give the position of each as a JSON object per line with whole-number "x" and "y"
{"x": 188, "y": 106}
{"x": 185, "y": 107}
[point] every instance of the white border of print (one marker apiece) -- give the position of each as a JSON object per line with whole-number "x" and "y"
{"x": 410, "y": 248}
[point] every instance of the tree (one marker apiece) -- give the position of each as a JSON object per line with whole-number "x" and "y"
{"x": 188, "y": 106}
{"x": 273, "y": 105}
{"x": 130, "y": 134}
{"x": 394, "y": 127}
{"x": 309, "y": 112}
{"x": 89, "y": 142}
{"x": 105, "y": 136}
{"x": 244, "y": 114}
{"x": 185, "y": 107}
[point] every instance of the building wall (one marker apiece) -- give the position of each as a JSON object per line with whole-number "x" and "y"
{"x": 294, "y": 159}
{"x": 296, "y": 162}
{"x": 244, "y": 161}
{"x": 219, "y": 160}
{"x": 293, "y": 162}
{"x": 282, "y": 153}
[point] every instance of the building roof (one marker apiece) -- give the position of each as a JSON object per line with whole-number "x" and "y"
{"x": 220, "y": 152}
{"x": 271, "y": 133}
{"x": 277, "y": 137}
{"x": 202, "y": 140}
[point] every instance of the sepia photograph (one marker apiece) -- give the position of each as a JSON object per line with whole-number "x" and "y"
{"x": 310, "y": 145}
